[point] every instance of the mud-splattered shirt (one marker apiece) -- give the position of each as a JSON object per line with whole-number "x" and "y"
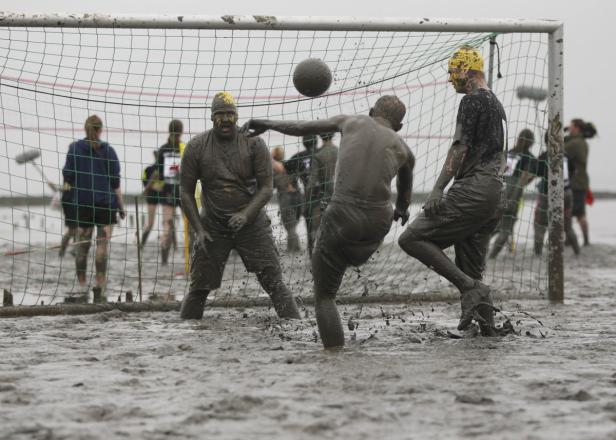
{"x": 228, "y": 171}
{"x": 479, "y": 126}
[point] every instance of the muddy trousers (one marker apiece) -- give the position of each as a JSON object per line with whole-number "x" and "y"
{"x": 255, "y": 245}
{"x": 541, "y": 223}
{"x": 271, "y": 281}
{"x": 348, "y": 236}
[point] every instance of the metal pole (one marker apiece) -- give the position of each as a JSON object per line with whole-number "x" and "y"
{"x": 491, "y": 61}
{"x": 555, "y": 147}
{"x": 138, "y": 247}
{"x": 278, "y": 22}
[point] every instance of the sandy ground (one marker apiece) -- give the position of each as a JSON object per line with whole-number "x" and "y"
{"x": 244, "y": 374}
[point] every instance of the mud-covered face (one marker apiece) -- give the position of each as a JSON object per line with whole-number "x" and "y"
{"x": 459, "y": 79}
{"x": 225, "y": 123}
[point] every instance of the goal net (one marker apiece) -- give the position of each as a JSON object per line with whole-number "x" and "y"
{"x": 139, "y": 79}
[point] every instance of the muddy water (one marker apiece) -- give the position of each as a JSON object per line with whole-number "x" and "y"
{"x": 246, "y": 374}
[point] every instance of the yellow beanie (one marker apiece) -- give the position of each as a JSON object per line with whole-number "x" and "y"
{"x": 466, "y": 58}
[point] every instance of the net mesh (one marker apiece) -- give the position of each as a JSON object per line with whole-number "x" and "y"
{"x": 137, "y": 80}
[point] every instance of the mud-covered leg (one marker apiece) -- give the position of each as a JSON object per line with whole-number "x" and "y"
{"x": 193, "y": 304}
{"x": 66, "y": 238}
{"x": 569, "y": 233}
{"x": 500, "y": 241}
{"x": 471, "y": 258}
{"x": 81, "y": 254}
{"x": 166, "y": 240}
{"x": 326, "y": 284}
{"x": 284, "y": 303}
{"x": 472, "y": 292}
{"x": 103, "y": 235}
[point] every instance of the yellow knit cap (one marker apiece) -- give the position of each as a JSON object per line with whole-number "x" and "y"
{"x": 466, "y": 58}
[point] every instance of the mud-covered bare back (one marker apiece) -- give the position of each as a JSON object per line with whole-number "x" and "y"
{"x": 369, "y": 158}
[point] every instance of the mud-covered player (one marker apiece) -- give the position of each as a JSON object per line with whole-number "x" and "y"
{"x": 465, "y": 217}
{"x": 359, "y": 214}
{"x": 236, "y": 177}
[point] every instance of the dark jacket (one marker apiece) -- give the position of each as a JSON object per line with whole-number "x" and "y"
{"x": 94, "y": 175}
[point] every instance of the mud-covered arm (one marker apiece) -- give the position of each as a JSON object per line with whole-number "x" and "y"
{"x": 188, "y": 181}
{"x": 262, "y": 166}
{"x": 453, "y": 162}
{"x": 255, "y": 127}
{"x": 404, "y": 183}
{"x": 468, "y": 116}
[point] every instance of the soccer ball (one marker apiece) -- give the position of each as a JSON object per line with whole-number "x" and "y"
{"x": 312, "y": 77}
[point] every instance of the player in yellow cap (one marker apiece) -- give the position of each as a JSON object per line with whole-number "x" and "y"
{"x": 236, "y": 177}
{"x": 467, "y": 214}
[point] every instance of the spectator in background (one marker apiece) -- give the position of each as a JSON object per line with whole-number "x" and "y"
{"x": 298, "y": 167}
{"x": 168, "y": 160}
{"x": 576, "y": 149}
{"x": 521, "y": 170}
{"x": 92, "y": 169}
{"x": 153, "y": 186}
{"x": 289, "y": 199}
{"x": 320, "y": 187}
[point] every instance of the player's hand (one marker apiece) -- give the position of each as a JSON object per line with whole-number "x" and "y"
{"x": 254, "y": 127}
{"x": 203, "y": 237}
{"x": 432, "y": 205}
{"x": 402, "y": 215}
{"x": 238, "y": 221}
{"x": 122, "y": 213}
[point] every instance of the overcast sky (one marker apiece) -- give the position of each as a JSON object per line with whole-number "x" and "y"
{"x": 590, "y": 36}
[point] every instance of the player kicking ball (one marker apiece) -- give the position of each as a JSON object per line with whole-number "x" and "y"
{"x": 359, "y": 214}
{"x": 466, "y": 215}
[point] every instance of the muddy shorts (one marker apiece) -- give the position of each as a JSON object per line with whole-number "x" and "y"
{"x": 88, "y": 216}
{"x": 579, "y": 204}
{"x": 348, "y": 236}
{"x": 469, "y": 215}
{"x": 254, "y": 243}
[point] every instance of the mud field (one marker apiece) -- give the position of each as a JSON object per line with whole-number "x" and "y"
{"x": 405, "y": 372}
{"x": 244, "y": 374}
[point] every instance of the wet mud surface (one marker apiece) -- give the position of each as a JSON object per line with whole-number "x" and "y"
{"x": 242, "y": 373}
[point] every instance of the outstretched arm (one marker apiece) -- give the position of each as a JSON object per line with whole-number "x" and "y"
{"x": 255, "y": 127}
{"x": 454, "y": 161}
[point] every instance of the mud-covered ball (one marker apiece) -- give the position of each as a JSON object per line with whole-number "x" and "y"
{"x": 312, "y": 77}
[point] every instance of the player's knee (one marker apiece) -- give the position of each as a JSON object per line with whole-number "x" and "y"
{"x": 270, "y": 278}
{"x": 406, "y": 240}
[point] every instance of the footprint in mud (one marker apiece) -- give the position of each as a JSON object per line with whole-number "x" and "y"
{"x": 320, "y": 427}
{"x": 232, "y": 408}
{"x": 97, "y": 413}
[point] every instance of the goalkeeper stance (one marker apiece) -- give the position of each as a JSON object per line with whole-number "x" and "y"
{"x": 359, "y": 214}
{"x": 466, "y": 215}
{"x": 236, "y": 176}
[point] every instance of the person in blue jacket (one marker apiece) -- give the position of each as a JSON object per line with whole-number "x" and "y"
{"x": 92, "y": 169}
